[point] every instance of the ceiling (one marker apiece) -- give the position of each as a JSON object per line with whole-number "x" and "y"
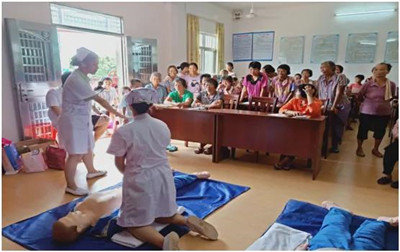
{"x": 257, "y": 5}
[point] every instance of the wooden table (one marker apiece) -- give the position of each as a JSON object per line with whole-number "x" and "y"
{"x": 189, "y": 125}
{"x": 272, "y": 133}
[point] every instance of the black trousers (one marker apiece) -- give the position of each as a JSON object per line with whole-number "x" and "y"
{"x": 390, "y": 157}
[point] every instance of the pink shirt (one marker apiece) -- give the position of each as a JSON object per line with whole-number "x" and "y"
{"x": 254, "y": 88}
{"x": 355, "y": 88}
{"x": 283, "y": 88}
{"x": 374, "y": 99}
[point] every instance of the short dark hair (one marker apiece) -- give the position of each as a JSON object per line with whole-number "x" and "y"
{"x": 389, "y": 67}
{"x": 303, "y": 94}
{"x": 194, "y": 64}
{"x": 212, "y": 82}
{"x": 106, "y": 78}
{"x": 206, "y": 75}
{"x": 285, "y": 67}
{"x": 340, "y": 68}
{"x": 228, "y": 79}
{"x": 307, "y": 70}
{"x": 330, "y": 63}
{"x": 269, "y": 69}
{"x": 64, "y": 77}
{"x": 255, "y": 64}
{"x": 172, "y": 66}
{"x": 141, "y": 108}
{"x": 360, "y": 76}
{"x": 183, "y": 65}
{"x": 230, "y": 64}
{"x": 298, "y": 75}
{"x": 182, "y": 81}
{"x": 133, "y": 81}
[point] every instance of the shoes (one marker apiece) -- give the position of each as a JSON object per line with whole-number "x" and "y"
{"x": 171, "y": 148}
{"x": 95, "y": 174}
{"x": 360, "y": 153}
{"x": 208, "y": 151}
{"x": 377, "y": 154}
{"x": 78, "y": 191}
{"x": 384, "y": 180}
{"x": 202, "y": 227}
{"x": 334, "y": 150}
{"x": 395, "y": 185}
{"x": 199, "y": 151}
{"x": 171, "y": 241}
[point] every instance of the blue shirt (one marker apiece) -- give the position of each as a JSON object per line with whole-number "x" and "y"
{"x": 161, "y": 90}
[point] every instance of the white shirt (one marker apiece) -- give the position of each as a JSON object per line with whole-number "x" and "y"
{"x": 148, "y": 189}
{"x": 75, "y": 122}
{"x": 109, "y": 95}
{"x": 54, "y": 99}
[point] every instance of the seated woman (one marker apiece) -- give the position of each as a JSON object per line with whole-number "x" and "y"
{"x": 335, "y": 231}
{"x": 305, "y": 103}
{"x": 181, "y": 96}
{"x": 99, "y": 205}
{"x": 209, "y": 99}
{"x": 227, "y": 86}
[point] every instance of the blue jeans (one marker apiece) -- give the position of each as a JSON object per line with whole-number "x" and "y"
{"x": 335, "y": 233}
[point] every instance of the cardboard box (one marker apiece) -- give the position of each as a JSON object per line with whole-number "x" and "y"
{"x": 33, "y": 144}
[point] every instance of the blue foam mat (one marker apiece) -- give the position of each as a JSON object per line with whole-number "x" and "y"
{"x": 200, "y": 198}
{"x": 308, "y": 218}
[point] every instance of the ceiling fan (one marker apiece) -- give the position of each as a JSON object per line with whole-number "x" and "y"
{"x": 251, "y": 13}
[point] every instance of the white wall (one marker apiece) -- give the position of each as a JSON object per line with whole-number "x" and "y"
{"x": 308, "y": 19}
{"x": 164, "y": 21}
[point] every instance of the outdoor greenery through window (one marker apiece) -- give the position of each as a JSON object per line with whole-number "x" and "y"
{"x": 68, "y": 16}
{"x": 208, "y": 53}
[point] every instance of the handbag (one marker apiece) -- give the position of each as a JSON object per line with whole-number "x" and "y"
{"x": 55, "y": 157}
{"x": 13, "y": 156}
{"x": 33, "y": 161}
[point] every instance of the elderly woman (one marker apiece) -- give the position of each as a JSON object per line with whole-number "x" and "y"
{"x": 155, "y": 79}
{"x": 75, "y": 126}
{"x": 209, "y": 99}
{"x": 304, "y": 103}
{"x": 375, "y": 108}
{"x": 255, "y": 83}
{"x": 181, "y": 97}
{"x": 283, "y": 85}
{"x": 331, "y": 88}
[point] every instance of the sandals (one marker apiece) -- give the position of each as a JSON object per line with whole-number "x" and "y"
{"x": 377, "y": 154}
{"x": 95, "y": 174}
{"x": 360, "y": 153}
{"x": 172, "y": 148}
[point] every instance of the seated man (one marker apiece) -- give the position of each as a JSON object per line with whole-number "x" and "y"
{"x": 335, "y": 231}
{"x": 209, "y": 99}
{"x": 101, "y": 204}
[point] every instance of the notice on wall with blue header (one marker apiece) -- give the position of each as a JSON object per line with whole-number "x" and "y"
{"x": 392, "y": 47}
{"x": 324, "y": 48}
{"x": 242, "y": 46}
{"x": 291, "y": 50}
{"x": 361, "y": 47}
{"x": 263, "y": 46}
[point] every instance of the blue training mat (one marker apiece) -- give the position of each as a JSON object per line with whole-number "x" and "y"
{"x": 308, "y": 218}
{"x": 200, "y": 198}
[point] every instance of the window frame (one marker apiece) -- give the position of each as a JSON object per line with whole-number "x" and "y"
{"x": 203, "y": 49}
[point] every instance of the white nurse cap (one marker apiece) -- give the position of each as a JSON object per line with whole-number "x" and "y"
{"x": 142, "y": 95}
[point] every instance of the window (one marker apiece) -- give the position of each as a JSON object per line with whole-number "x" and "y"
{"x": 208, "y": 53}
{"x": 68, "y": 16}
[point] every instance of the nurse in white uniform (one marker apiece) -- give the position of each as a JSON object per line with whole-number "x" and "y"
{"x": 148, "y": 189}
{"x": 75, "y": 125}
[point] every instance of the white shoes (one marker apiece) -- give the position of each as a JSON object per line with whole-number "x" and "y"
{"x": 171, "y": 241}
{"x": 78, "y": 191}
{"x": 202, "y": 227}
{"x": 96, "y": 174}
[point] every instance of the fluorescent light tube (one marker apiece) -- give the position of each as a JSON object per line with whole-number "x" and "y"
{"x": 364, "y": 12}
